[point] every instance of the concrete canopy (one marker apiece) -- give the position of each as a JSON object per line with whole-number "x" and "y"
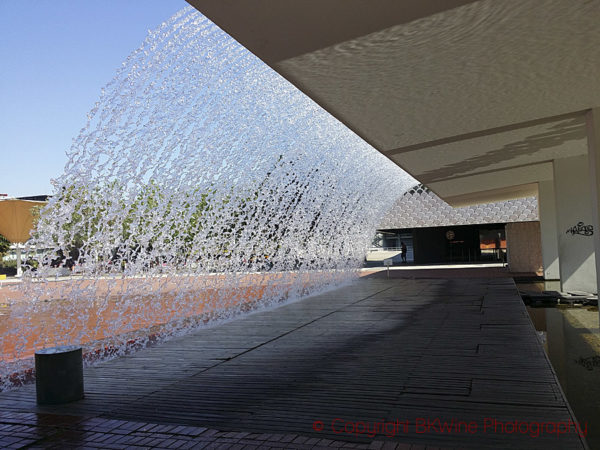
{"x": 475, "y": 99}
{"x": 16, "y": 219}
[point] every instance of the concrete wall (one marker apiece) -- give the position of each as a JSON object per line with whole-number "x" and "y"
{"x": 548, "y": 229}
{"x": 593, "y": 132}
{"x": 524, "y": 246}
{"x": 573, "y": 206}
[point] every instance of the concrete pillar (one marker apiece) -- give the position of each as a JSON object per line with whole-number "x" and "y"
{"x": 59, "y": 375}
{"x": 574, "y": 216}
{"x": 548, "y": 229}
{"x": 593, "y": 133}
{"x": 19, "y": 265}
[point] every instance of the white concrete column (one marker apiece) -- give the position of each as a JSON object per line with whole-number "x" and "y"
{"x": 548, "y": 230}
{"x": 573, "y": 219}
{"x": 18, "y": 252}
{"x": 593, "y": 133}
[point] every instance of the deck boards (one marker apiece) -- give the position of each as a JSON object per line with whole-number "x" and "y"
{"x": 378, "y": 349}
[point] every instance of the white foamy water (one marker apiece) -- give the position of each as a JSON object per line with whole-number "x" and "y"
{"x": 203, "y": 186}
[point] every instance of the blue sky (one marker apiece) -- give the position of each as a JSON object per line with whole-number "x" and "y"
{"x": 55, "y": 56}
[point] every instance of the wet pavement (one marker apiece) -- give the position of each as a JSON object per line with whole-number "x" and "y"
{"x": 400, "y": 363}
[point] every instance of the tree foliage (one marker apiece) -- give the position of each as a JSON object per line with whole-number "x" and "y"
{"x": 4, "y": 246}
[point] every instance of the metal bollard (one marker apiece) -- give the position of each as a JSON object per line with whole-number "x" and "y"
{"x": 59, "y": 375}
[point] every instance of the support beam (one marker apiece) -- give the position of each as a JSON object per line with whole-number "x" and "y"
{"x": 574, "y": 216}
{"x": 19, "y": 266}
{"x": 593, "y": 134}
{"x": 548, "y": 230}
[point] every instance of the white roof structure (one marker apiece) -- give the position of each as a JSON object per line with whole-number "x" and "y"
{"x": 475, "y": 99}
{"x": 419, "y": 207}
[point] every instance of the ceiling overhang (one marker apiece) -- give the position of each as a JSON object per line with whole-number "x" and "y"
{"x": 493, "y": 195}
{"x": 278, "y": 30}
{"x": 17, "y": 219}
{"x": 469, "y": 97}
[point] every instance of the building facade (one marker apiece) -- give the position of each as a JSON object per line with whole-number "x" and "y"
{"x": 436, "y": 233}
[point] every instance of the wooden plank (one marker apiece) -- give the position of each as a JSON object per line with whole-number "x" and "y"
{"x": 460, "y": 349}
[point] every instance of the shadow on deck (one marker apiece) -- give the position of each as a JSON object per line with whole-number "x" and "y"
{"x": 387, "y": 356}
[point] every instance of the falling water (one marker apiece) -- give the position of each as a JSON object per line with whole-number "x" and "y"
{"x": 203, "y": 186}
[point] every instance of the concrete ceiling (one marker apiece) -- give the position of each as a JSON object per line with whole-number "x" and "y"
{"x": 277, "y": 30}
{"x": 473, "y": 98}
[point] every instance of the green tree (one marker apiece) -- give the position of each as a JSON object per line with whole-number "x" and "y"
{"x": 4, "y": 246}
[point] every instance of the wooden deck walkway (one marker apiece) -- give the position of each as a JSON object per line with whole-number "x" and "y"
{"x": 333, "y": 366}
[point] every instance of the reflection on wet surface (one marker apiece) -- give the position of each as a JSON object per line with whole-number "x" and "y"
{"x": 572, "y": 341}
{"x": 122, "y": 314}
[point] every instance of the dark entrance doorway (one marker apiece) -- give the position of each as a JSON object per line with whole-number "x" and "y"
{"x": 447, "y": 245}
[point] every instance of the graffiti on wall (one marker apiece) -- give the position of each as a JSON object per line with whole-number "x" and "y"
{"x": 581, "y": 229}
